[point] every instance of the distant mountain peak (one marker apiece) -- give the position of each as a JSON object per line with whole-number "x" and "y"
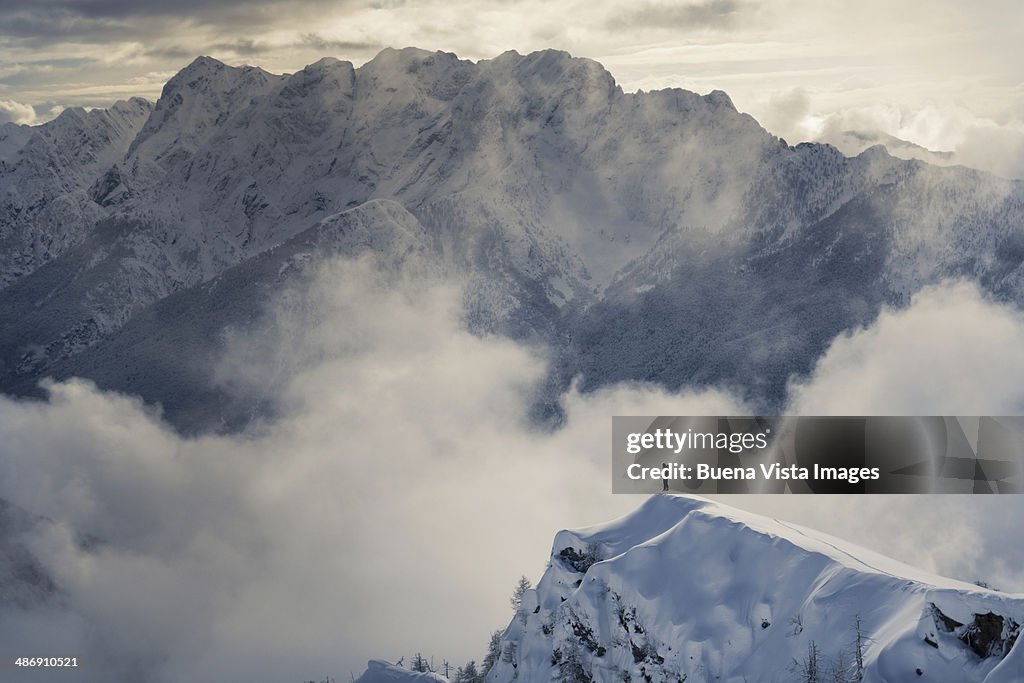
{"x": 719, "y": 98}
{"x": 325, "y": 63}
{"x": 205, "y": 63}
{"x": 553, "y": 64}
{"x": 209, "y": 75}
{"x": 132, "y": 103}
{"x": 411, "y": 55}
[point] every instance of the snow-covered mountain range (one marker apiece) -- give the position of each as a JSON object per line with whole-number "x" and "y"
{"x": 685, "y": 589}
{"x": 608, "y": 225}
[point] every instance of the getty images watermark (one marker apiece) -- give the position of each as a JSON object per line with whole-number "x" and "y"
{"x": 817, "y": 454}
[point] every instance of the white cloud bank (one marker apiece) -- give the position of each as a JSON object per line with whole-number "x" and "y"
{"x": 16, "y": 112}
{"x": 946, "y": 134}
{"x": 953, "y": 351}
{"x": 395, "y": 504}
{"x": 391, "y": 510}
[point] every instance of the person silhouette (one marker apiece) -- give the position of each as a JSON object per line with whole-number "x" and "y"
{"x": 664, "y": 479}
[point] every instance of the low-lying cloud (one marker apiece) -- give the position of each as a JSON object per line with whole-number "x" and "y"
{"x": 953, "y": 351}
{"x": 392, "y": 507}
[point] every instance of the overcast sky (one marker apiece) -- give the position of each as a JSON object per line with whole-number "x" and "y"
{"x": 943, "y": 74}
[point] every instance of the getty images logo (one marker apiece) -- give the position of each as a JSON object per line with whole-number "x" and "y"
{"x": 676, "y": 442}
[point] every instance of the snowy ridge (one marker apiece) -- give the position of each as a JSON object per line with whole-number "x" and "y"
{"x": 46, "y": 174}
{"x": 379, "y": 671}
{"x": 689, "y": 589}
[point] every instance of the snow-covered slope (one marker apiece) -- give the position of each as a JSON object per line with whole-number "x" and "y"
{"x": 685, "y": 589}
{"x": 49, "y": 178}
{"x": 379, "y": 671}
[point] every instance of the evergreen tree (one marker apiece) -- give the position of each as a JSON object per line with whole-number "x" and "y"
{"x": 493, "y": 652}
{"x": 419, "y": 663}
{"x": 522, "y": 586}
{"x": 470, "y": 674}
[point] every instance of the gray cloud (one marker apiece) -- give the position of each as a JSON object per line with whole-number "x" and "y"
{"x": 124, "y": 9}
{"x": 318, "y": 42}
{"x": 172, "y": 52}
{"x": 85, "y": 21}
{"x": 43, "y": 25}
{"x": 248, "y": 47}
{"x": 713, "y": 14}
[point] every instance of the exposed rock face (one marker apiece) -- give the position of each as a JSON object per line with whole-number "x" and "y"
{"x": 111, "y": 188}
{"x": 988, "y": 635}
